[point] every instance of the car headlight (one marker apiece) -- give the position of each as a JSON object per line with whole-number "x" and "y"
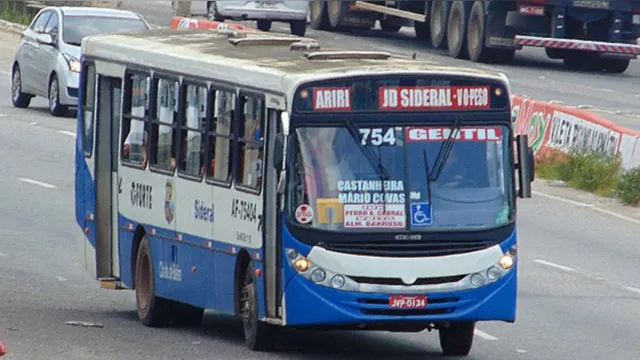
{"x": 74, "y": 64}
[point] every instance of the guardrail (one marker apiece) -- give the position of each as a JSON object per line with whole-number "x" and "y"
{"x": 553, "y": 127}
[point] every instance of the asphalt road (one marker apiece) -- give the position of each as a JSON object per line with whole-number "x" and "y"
{"x": 578, "y": 288}
{"x": 532, "y": 73}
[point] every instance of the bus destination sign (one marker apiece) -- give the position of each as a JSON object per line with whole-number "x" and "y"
{"x": 434, "y": 97}
{"x": 401, "y": 95}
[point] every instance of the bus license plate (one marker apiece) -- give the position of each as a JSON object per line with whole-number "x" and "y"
{"x": 407, "y": 301}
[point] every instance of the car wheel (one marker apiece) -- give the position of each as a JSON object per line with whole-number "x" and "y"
{"x": 54, "y": 98}
{"x": 212, "y": 12}
{"x": 18, "y": 98}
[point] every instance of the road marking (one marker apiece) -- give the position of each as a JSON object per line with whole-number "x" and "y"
{"x": 557, "y": 266}
{"x": 5, "y": 73}
{"x": 3, "y": 255}
{"x": 632, "y": 289}
{"x": 521, "y": 351}
{"x": 484, "y": 335}
{"x": 591, "y": 206}
{"x": 36, "y": 182}
{"x": 64, "y": 132}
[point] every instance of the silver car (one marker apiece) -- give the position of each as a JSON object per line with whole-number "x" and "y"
{"x": 47, "y": 60}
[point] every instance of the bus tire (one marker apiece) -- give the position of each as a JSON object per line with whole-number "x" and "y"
{"x": 457, "y": 339}
{"x": 457, "y": 31}
{"x": 258, "y": 335}
{"x": 153, "y": 311}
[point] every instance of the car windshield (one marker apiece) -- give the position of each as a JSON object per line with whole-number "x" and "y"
{"x": 75, "y": 28}
{"x": 375, "y": 178}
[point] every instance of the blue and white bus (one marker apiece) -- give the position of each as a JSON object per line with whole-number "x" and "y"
{"x": 265, "y": 177}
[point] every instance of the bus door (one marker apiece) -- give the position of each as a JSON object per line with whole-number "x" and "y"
{"x": 106, "y": 176}
{"x": 270, "y": 228}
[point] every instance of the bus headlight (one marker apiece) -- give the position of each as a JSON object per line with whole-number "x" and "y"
{"x": 506, "y": 261}
{"x": 319, "y": 275}
{"x": 477, "y": 279}
{"x": 493, "y": 273}
{"x": 337, "y": 281}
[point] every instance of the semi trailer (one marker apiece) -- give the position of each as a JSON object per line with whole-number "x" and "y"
{"x": 591, "y": 35}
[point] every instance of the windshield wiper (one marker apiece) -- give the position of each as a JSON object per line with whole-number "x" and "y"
{"x": 445, "y": 150}
{"x": 427, "y": 172}
{"x": 374, "y": 160}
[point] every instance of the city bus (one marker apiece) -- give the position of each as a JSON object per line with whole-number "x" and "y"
{"x": 289, "y": 185}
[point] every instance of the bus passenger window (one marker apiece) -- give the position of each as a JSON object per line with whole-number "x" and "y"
{"x": 88, "y": 104}
{"x": 220, "y": 135}
{"x": 250, "y": 141}
{"x": 135, "y": 114}
{"x": 163, "y": 150}
{"x": 192, "y": 130}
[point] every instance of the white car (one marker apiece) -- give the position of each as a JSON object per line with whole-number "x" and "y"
{"x": 47, "y": 60}
{"x": 263, "y": 11}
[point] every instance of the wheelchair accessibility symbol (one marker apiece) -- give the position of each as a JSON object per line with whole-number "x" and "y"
{"x": 421, "y": 214}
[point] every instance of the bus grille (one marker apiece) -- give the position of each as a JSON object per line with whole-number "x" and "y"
{"x": 408, "y": 248}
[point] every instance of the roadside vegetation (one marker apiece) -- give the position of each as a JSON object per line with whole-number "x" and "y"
{"x": 12, "y": 12}
{"x": 593, "y": 172}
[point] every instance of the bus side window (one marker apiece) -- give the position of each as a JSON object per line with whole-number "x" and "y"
{"x": 135, "y": 113}
{"x": 88, "y": 104}
{"x": 250, "y": 142}
{"x": 163, "y": 125}
{"x": 192, "y": 130}
{"x": 221, "y": 135}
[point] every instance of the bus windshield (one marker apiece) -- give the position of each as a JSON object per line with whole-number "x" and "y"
{"x": 365, "y": 179}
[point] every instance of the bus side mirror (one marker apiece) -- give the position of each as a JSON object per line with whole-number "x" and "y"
{"x": 278, "y": 152}
{"x": 526, "y": 166}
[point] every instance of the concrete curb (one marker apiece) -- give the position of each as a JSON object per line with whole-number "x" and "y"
{"x": 14, "y": 28}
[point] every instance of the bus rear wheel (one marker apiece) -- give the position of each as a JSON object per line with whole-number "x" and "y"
{"x": 457, "y": 338}
{"x": 152, "y": 310}
{"x": 258, "y": 335}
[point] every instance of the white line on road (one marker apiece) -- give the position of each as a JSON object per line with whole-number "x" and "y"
{"x": 3, "y": 255}
{"x": 521, "y": 351}
{"x": 632, "y": 289}
{"x": 484, "y": 335}
{"x": 5, "y": 73}
{"x": 557, "y": 266}
{"x": 36, "y": 182}
{"x": 591, "y": 206}
{"x": 65, "y": 132}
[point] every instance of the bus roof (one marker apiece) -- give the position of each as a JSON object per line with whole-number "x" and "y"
{"x": 269, "y": 65}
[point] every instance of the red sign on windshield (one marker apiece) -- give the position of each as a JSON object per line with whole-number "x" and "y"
{"x": 467, "y": 133}
{"x": 331, "y": 98}
{"x": 435, "y": 98}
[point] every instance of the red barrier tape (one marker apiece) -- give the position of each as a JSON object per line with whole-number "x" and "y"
{"x": 178, "y": 22}
{"x": 556, "y": 128}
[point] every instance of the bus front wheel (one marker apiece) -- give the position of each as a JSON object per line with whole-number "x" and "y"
{"x": 258, "y": 335}
{"x": 457, "y": 339}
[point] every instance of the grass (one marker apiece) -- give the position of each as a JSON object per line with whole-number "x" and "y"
{"x": 12, "y": 12}
{"x": 593, "y": 172}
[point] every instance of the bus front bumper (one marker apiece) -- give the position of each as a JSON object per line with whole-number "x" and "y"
{"x": 309, "y": 304}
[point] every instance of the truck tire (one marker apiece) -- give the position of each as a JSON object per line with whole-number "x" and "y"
{"x": 615, "y": 66}
{"x": 423, "y": 29}
{"x": 263, "y": 25}
{"x": 457, "y": 339}
{"x": 457, "y": 31}
{"x": 298, "y": 27}
{"x": 153, "y": 310}
{"x": 319, "y": 15}
{"x": 438, "y": 21}
{"x": 338, "y": 11}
